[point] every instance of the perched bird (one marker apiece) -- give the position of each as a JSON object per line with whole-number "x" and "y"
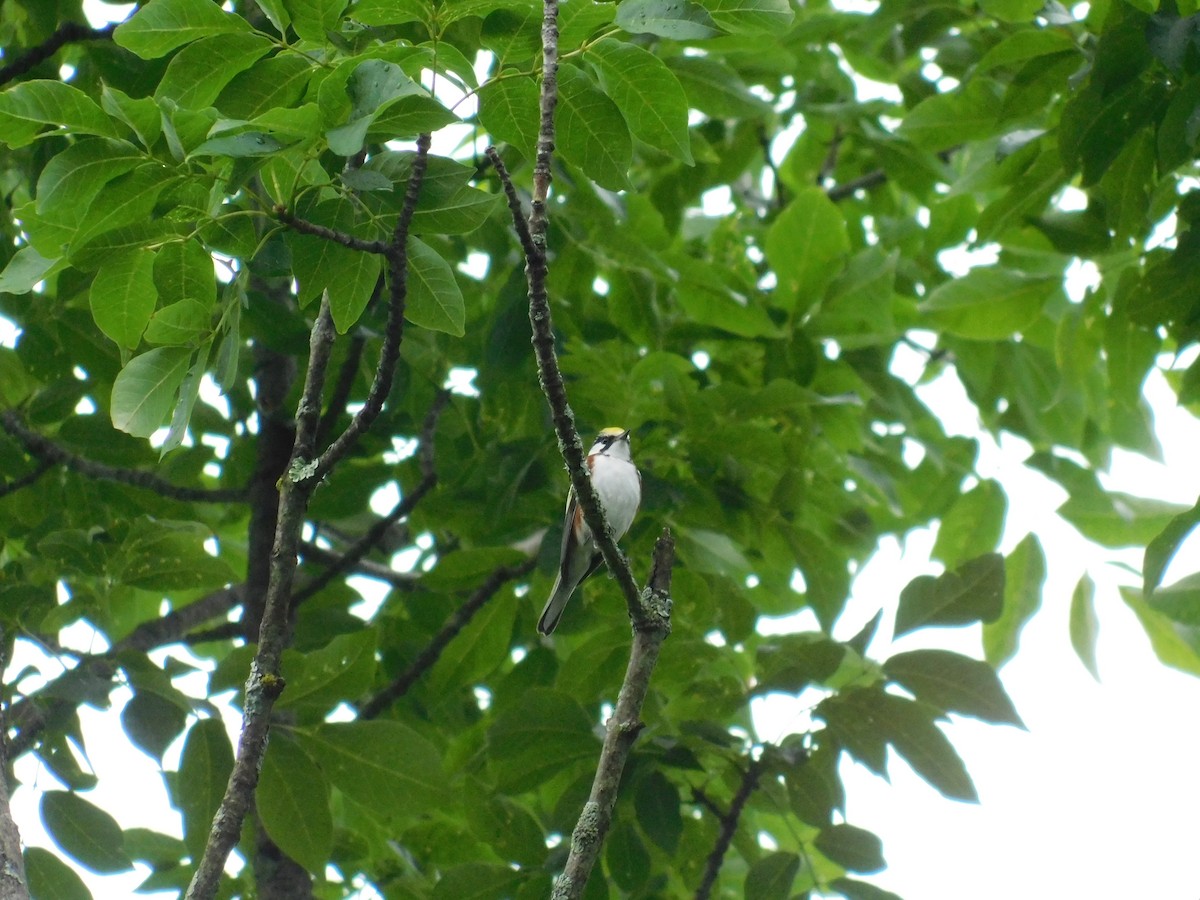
{"x": 619, "y": 487}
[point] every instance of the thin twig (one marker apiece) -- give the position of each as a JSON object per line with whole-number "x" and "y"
{"x": 25, "y": 480}
{"x": 46, "y": 450}
{"x": 265, "y": 685}
{"x": 346, "y": 375}
{"x": 622, "y": 728}
{"x": 67, "y": 33}
{"x": 729, "y": 823}
{"x": 360, "y": 548}
{"x": 305, "y": 471}
{"x": 330, "y": 234}
{"x": 397, "y": 259}
{"x": 433, "y": 650}
{"x": 331, "y": 558}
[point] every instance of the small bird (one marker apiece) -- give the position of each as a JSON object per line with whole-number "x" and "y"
{"x": 619, "y": 487}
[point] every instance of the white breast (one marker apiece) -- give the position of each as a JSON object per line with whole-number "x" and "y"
{"x": 620, "y": 491}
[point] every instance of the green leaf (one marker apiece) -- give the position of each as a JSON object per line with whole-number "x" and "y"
{"x": 197, "y": 74}
{"x": 152, "y": 722}
{"x": 26, "y": 268}
{"x": 1025, "y": 573}
{"x": 31, "y": 105}
{"x": 1175, "y": 645}
{"x": 351, "y": 292}
{"x": 968, "y": 113}
{"x": 434, "y": 299}
{"x": 184, "y": 269}
{"x": 1163, "y": 548}
{"x": 160, "y": 26}
{"x": 771, "y": 877}
{"x": 1024, "y": 45}
{"x": 142, "y": 115}
{"x": 126, "y": 202}
{"x": 854, "y": 849}
{"x": 714, "y": 88}
{"x": 853, "y": 889}
{"x": 648, "y": 95}
{"x": 345, "y": 667}
{"x": 143, "y": 394}
{"x": 269, "y": 85}
{"x": 542, "y": 734}
{"x": 988, "y": 303}
{"x": 49, "y": 877}
{"x": 86, "y": 833}
{"x": 591, "y": 132}
{"x": 973, "y": 592}
{"x": 293, "y": 803}
{"x": 239, "y": 146}
{"x": 508, "y": 109}
{"x": 480, "y": 648}
{"x": 390, "y": 12}
{"x": 793, "y": 662}
{"x": 679, "y": 20}
{"x": 123, "y": 296}
{"x": 72, "y": 178}
{"x": 1084, "y": 626}
{"x": 806, "y": 245}
{"x": 313, "y": 19}
{"x": 911, "y": 731}
{"x": 712, "y": 551}
{"x": 750, "y": 16}
{"x": 626, "y": 857}
{"x": 953, "y": 683}
{"x": 384, "y": 765}
{"x": 657, "y": 803}
{"x": 164, "y": 555}
{"x": 973, "y": 524}
{"x": 478, "y": 881}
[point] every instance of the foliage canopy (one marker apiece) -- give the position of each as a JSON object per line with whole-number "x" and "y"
{"x": 742, "y": 244}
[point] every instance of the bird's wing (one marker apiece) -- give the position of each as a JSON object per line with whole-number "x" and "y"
{"x": 568, "y": 535}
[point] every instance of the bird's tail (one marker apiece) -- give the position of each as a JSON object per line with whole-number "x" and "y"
{"x": 555, "y": 605}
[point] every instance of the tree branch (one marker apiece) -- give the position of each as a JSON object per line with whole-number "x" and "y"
{"x": 46, "y": 450}
{"x": 360, "y": 548}
{"x": 25, "y": 480}
{"x": 729, "y": 823}
{"x": 330, "y": 234}
{"x": 433, "y": 650}
{"x": 67, "y": 33}
{"x": 12, "y": 864}
{"x": 622, "y": 728}
{"x": 304, "y": 473}
{"x": 265, "y": 685}
{"x": 397, "y": 259}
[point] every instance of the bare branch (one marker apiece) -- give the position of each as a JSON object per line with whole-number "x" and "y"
{"x": 360, "y": 548}
{"x": 332, "y": 558}
{"x": 67, "y": 33}
{"x": 729, "y": 823}
{"x": 456, "y": 623}
{"x": 330, "y": 234}
{"x": 12, "y": 864}
{"x": 26, "y": 480}
{"x": 397, "y": 259}
{"x": 46, "y": 450}
{"x": 265, "y": 685}
{"x": 622, "y": 728}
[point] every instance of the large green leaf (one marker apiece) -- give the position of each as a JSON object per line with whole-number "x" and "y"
{"x": 197, "y": 73}
{"x": 541, "y": 735}
{"x": 204, "y": 767}
{"x": 954, "y": 683}
{"x": 508, "y": 109}
{"x": 989, "y": 303}
{"x": 160, "y": 26}
{"x": 292, "y": 800}
{"x": 648, "y": 95}
{"x": 318, "y": 680}
{"x": 28, "y": 107}
{"x": 971, "y": 593}
{"x": 772, "y": 877}
{"x": 750, "y": 16}
{"x": 1025, "y": 573}
{"x": 85, "y": 832}
{"x": 590, "y": 131}
{"x": 123, "y": 296}
{"x": 1084, "y": 626}
{"x": 49, "y": 876}
{"x": 805, "y": 246}
{"x": 676, "y": 19}
{"x": 434, "y": 298}
{"x": 855, "y": 849}
{"x": 143, "y": 394}
{"x": 384, "y": 765}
